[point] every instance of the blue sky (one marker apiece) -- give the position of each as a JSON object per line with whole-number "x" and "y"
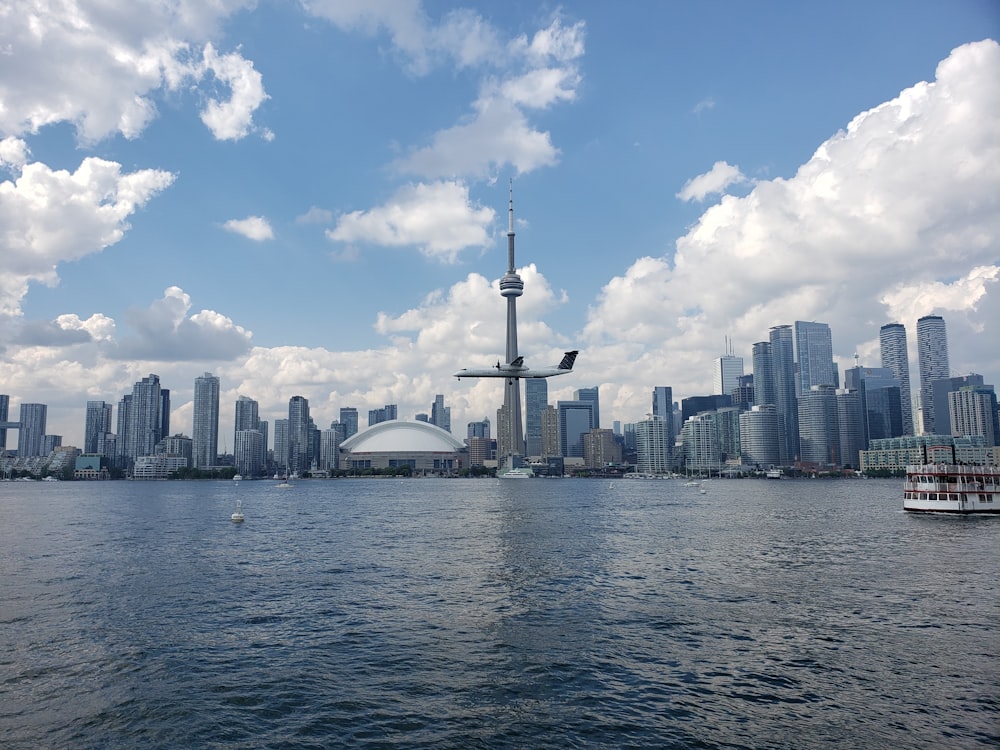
{"x": 310, "y": 198}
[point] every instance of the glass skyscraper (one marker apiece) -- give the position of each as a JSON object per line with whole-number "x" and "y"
{"x": 814, "y": 346}
{"x": 783, "y": 367}
{"x": 144, "y": 418}
{"x": 31, "y": 436}
{"x": 576, "y": 419}
{"x": 98, "y": 425}
{"x": 932, "y": 360}
{"x": 536, "y": 397}
{"x": 205, "y": 421}
{"x": 892, "y": 342}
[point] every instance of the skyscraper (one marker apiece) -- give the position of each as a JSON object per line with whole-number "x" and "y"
{"x": 98, "y": 425}
{"x": 932, "y": 360}
{"x": 762, "y": 436}
{"x": 205, "y": 421}
{"x": 281, "y": 444}
{"x": 814, "y": 346}
{"x": 726, "y": 371}
{"x": 300, "y": 453}
{"x": 31, "y": 436}
{"x": 349, "y": 418}
{"x": 653, "y": 445}
{"x": 663, "y": 402}
{"x": 783, "y": 367}
{"x": 941, "y": 391}
{"x": 593, "y": 396}
{"x": 576, "y": 419}
{"x": 441, "y": 414}
{"x": 973, "y": 411}
{"x": 4, "y": 416}
{"x": 247, "y": 418}
{"x": 536, "y": 397}
{"x": 881, "y": 401}
{"x": 765, "y": 390}
{"x": 819, "y": 427}
{"x": 145, "y": 419}
{"x": 892, "y": 342}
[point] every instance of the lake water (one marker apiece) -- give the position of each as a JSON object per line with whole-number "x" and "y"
{"x": 485, "y": 614}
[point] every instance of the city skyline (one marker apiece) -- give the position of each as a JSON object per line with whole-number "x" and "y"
{"x": 312, "y": 239}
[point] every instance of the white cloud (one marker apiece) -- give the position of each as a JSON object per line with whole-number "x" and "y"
{"x": 439, "y": 218}
{"x": 716, "y": 180}
{"x": 315, "y": 215}
{"x": 164, "y": 332}
{"x": 102, "y": 67}
{"x": 895, "y": 217}
{"x": 49, "y": 217}
{"x": 254, "y": 228}
{"x": 13, "y": 152}
{"x": 704, "y": 105}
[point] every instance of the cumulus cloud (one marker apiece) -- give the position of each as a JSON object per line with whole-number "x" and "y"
{"x": 894, "y": 217}
{"x": 714, "y": 181}
{"x": 165, "y": 332}
{"x": 102, "y": 68}
{"x": 439, "y": 218}
{"x": 254, "y": 228}
{"x": 49, "y": 217}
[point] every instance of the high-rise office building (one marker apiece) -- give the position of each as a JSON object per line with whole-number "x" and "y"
{"x": 98, "y": 424}
{"x": 281, "y": 456}
{"x": 892, "y": 343}
{"x": 31, "y": 436}
{"x": 783, "y": 367}
{"x": 765, "y": 389}
{"x": 851, "y": 427}
{"x": 300, "y": 439}
{"x": 536, "y": 397}
{"x": 349, "y": 418}
{"x": 550, "y": 432}
{"x": 247, "y": 418}
{"x": 4, "y": 417}
{"x": 726, "y": 372}
{"x": 164, "y": 412}
{"x": 440, "y": 414}
{"x": 576, "y": 419}
{"x": 743, "y": 393}
{"x": 384, "y": 414}
{"x": 881, "y": 402}
{"x": 121, "y": 442}
{"x": 145, "y": 418}
{"x": 940, "y": 391}
{"x": 591, "y": 395}
{"x": 693, "y": 405}
{"x": 663, "y": 402}
{"x": 932, "y": 361}
{"x": 700, "y": 439}
{"x": 205, "y": 421}
{"x": 814, "y": 346}
{"x": 480, "y": 429}
{"x": 600, "y": 449}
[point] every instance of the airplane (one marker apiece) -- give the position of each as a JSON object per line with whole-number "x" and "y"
{"x": 517, "y": 369}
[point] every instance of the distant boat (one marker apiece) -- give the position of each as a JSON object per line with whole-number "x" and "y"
{"x": 773, "y": 473}
{"x": 237, "y": 477}
{"x": 286, "y": 481}
{"x": 523, "y": 472}
{"x": 702, "y": 489}
{"x": 238, "y": 516}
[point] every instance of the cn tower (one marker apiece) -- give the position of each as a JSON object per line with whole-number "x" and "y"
{"x": 511, "y": 287}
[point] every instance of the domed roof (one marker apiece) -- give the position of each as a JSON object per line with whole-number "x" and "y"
{"x": 400, "y": 436}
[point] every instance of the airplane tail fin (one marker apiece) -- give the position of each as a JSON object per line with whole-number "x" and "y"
{"x": 567, "y": 361}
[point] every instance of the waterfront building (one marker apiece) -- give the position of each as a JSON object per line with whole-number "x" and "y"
{"x": 300, "y": 440}
{"x": 653, "y": 445}
{"x": 349, "y": 418}
{"x": 536, "y": 399}
{"x": 145, "y": 419}
{"x": 693, "y": 405}
{"x": 932, "y": 361}
{"x": 814, "y": 347}
{"x": 480, "y": 449}
{"x": 576, "y": 419}
{"x": 765, "y": 390}
{"x": 783, "y": 367}
{"x": 895, "y": 454}
{"x": 50, "y": 443}
{"x": 247, "y": 418}
{"x": 762, "y": 436}
{"x": 281, "y": 454}
{"x": 700, "y": 439}
{"x": 727, "y": 431}
{"x": 176, "y": 445}
{"x": 329, "y": 449}
{"x": 973, "y": 411}
{"x": 31, "y": 435}
{"x": 205, "y": 421}
{"x": 4, "y": 416}
{"x": 441, "y": 414}
{"x": 600, "y": 449}
{"x": 743, "y": 393}
{"x": 850, "y": 423}
{"x": 726, "y": 372}
{"x": 97, "y": 425}
{"x": 881, "y": 401}
{"x": 892, "y": 344}
{"x": 550, "y": 432}
{"x": 248, "y": 452}
{"x": 819, "y": 427}
{"x": 423, "y": 447}
{"x": 941, "y": 391}
{"x": 157, "y": 466}
{"x": 164, "y": 411}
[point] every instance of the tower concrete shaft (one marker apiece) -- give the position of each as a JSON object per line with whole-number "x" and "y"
{"x": 511, "y": 287}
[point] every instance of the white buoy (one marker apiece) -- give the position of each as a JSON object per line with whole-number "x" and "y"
{"x": 238, "y": 516}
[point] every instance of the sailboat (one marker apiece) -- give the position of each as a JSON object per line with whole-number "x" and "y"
{"x": 286, "y": 481}
{"x": 238, "y": 516}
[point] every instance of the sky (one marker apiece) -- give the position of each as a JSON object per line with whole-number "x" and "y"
{"x": 310, "y": 198}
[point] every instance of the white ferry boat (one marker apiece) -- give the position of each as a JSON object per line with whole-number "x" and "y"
{"x": 952, "y": 488}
